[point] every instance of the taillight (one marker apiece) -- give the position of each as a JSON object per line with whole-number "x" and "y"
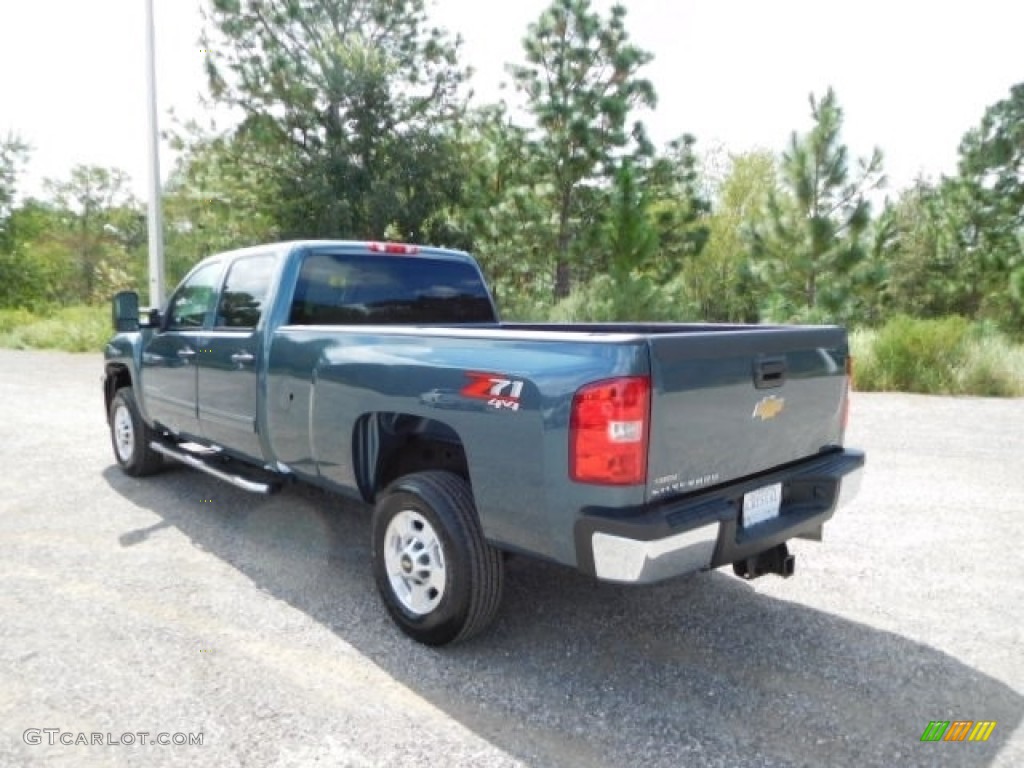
{"x": 608, "y": 432}
{"x": 394, "y": 248}
{"x": 845, "y": 414}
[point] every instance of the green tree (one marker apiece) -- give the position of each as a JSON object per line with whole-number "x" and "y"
{"x": 818, "y": 227}
{"x": 13, "y": 155}
{"x": 958, "y": 245}
{"x": 101, "y": 229}
{"x": 631, "y": 238}
{"x": 581, "y": 82}
{"x": 34, "y": 267}
{"x": 678, "y": 209}
{"x": 718, "y": 284}
{"x": 624, "y": 288}
{"x": 220, "y": 195}
{"x": 353, "y": 102}
{"x": 990, "y": 192}
{"x": 502, "y": 216}
{"x": 923, "y": 279}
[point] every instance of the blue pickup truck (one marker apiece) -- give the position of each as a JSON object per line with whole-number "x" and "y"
{"x": 632, "y": 452}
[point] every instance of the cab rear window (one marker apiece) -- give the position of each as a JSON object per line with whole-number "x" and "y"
{"x": 353, "y": 289}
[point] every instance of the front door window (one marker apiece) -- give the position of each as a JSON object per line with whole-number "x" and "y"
{"x": 191, "y": 304}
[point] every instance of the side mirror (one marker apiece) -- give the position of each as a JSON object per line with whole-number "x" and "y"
{"x": 125, "y": 311}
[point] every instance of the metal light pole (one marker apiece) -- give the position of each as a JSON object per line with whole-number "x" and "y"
{"x": 156, "y": 218}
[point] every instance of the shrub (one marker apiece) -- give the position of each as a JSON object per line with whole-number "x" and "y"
{"x": 941, "y": 356}
{"x": 993, "y": 367}
{"x": 72, "y": 329}
{"x": 606, "y": 299}
{"x": 14, "y": 318}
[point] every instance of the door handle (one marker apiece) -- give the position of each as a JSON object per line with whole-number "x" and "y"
{"x": 769, "y": 372}
{"x": 186, "y": 353}
{"x": 242, "y": 358}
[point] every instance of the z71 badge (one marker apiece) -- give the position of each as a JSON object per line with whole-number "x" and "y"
{"x": 500, "y": 392}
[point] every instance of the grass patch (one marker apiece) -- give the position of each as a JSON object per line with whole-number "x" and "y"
{"x": 946, "y": 356}
{"x": 993, "y": 366}
{"x": 14, "y": 318}
{"x": 72, "y": 329}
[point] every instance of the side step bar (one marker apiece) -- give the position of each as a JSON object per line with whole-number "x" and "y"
{"x": 253, "y": 486}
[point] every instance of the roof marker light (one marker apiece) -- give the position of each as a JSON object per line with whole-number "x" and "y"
{"x": 400, "y": 249}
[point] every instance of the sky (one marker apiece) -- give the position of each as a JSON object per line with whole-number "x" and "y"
{"x": 912, "y": 76}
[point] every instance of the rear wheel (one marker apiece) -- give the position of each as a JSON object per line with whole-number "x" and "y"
{"x": 130, "y": 436}
{"x": 439, "y": 578}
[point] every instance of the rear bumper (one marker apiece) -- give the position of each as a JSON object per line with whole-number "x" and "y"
{"x": 664, "y": 539}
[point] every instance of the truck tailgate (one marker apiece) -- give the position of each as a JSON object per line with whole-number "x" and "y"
{"x": 729, "y": 403}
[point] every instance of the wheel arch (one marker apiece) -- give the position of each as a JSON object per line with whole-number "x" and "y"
{"x": 117, "y": 376}
{"x": 386, "y": 446}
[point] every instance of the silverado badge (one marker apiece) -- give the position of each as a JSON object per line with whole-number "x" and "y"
{"x": 768, "y": 408}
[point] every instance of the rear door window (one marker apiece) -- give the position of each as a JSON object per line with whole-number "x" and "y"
{"x": 245, "y": 292}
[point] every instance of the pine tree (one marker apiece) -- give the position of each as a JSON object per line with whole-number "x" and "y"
{"x": 581, "y": 82}
{"x": 818, "y": 225}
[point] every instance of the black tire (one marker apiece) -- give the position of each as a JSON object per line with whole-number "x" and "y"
{"x": 130, "y": 436}
{"x": 432, "y": 605}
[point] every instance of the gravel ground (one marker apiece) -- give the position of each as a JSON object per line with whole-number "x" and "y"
{"x": 177, "y": 604}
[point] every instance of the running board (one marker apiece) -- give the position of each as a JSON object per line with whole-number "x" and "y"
{"x": 253, "y": 486}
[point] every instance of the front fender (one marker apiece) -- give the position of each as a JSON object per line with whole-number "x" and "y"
{"x": 121, "y": 368}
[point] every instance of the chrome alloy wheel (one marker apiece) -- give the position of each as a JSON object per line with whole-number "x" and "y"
{"x": 414, "y": 561}
{"x": 124, "y": 433}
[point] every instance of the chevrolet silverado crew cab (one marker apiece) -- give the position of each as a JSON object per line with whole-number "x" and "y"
{"x": 632, "y": 452}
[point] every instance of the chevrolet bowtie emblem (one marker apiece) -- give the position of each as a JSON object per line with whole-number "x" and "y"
{"x": 768, "y": 408}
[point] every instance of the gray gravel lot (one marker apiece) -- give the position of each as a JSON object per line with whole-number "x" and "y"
{"x": 179, "y": 604}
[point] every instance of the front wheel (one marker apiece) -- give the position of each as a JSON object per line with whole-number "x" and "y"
{"x": 130, "y": 436}
{"x": 439, "y": 578}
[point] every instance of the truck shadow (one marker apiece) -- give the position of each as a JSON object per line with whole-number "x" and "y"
{"x": 579, "y": 673}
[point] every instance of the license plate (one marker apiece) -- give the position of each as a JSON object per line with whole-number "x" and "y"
{"x": 762, "y": 504}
